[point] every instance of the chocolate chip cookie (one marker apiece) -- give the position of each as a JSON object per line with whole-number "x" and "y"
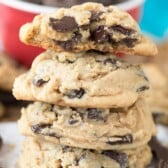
{"x": 88, "y": 79}
{"x": 85, "y": 27}
{"x": 120, "y": 128}
{"x": 38, "y": 154}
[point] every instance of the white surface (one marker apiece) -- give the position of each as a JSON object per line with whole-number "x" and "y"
{"x": 34, "y": 8}
{"x": 12, "y": 142}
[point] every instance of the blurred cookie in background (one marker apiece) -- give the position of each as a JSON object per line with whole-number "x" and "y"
{"x": 156, "y": 69}
{"x": 158, "y": 101}
{"x": 162, "y": 59}
{"x": 9, "y": 70}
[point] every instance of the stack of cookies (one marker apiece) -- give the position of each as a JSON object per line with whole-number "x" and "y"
{"x": 90, "y": 109}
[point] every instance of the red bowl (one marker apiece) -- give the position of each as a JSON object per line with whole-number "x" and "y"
{"x": 15, "y": 13}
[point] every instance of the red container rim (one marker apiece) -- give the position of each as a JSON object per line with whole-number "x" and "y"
{"x": 34, "y": 8}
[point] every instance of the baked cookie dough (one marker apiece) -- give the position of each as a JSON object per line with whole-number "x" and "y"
{"x": 86, "y": 27}
{"x": 9, "y": 70}
{"x": 121, "y": 128}
{"x": 158, "y": 100}
{"x": 40, "y": 154}
{"x": 88, "y": 79}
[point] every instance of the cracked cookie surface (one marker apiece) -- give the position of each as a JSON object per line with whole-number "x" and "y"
{"x": 85, "y": 27}
{"x": 88, "y": 79}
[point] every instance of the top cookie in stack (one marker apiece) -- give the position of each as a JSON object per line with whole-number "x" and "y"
{"x": 90, "y": 26}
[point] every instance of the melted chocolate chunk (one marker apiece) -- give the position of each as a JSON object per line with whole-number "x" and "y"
{"x": 122, "y": 30}
{"x": 39, "y": 129}
{"x": 125, "y": 139}
{"x": 95, "y": 16}
{"x": 119, "y": 157}
{"x": 65, "y": 24}
{"x": 75, "y": 93}
{"x": 143, "y": 88}
{"x": 110, "y": 60}
{"x": 1, "y": 142}
{"x": 39, "y": 82}
{"x": 129, "y": 42}
{"x": 100, "y": 35}
{"x": 94, "y": 114}
{"x": 69, "y": 44}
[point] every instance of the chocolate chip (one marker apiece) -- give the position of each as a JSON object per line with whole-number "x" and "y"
{"x": 119, "y": 157}
{"x": 39, "y": 82}
{"x": 100, "y": 35}
{"x": 1, "y": 142}
{"x": 142, "y": 88}
{"x": 110, "y": 60}
{"x": 117, "y": 110}
{"x": 95, "y": 16}
{"x": 122, "y": 30}
{"x": 69, "y": 61}
{"x": 129, "y": 42}
{"x": 75, "y": 93}
{"x": 65, "y": 24}
{"x": 73, "y": 121}
{"x": 39, "y": 129}
{"x": 69, "y": 44}
{"x": 94, "y": 114}
{"x": 158, "y": 149}
{"x": 125, "y": 139}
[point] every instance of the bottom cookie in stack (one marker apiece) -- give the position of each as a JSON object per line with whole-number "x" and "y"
{"x": 158, "y": 100}
{"x": 37, "y": 153}
{"x": 104, "y": 129}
